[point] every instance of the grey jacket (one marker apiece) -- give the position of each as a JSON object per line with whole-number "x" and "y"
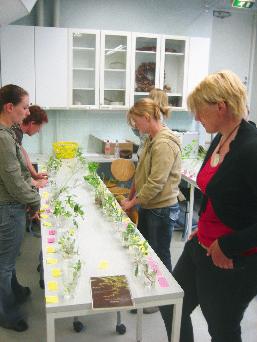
{"x": 15, "y": 179}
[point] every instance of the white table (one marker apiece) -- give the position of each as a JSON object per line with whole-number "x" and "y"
{"x": 98, "y": 241}
{"x": 190, "y": 168}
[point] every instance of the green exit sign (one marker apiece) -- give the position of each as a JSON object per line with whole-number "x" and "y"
{"x": 243, "y": 4}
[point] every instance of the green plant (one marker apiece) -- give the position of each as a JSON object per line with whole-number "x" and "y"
{"x": 92, "y": 167}
{"x": 67, "y": 244}
{"x": 93, "y": 180}
{"x": 53, "y": 164}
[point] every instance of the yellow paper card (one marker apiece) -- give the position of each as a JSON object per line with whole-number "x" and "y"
{"x": 44, "y": 207}
{"x": 52, "y": 299}
{"x": 51, "y": 261}
{"x": 45, "y": 195}
{"x": 52, "y": 285}
{"x": 47, "y": 224}
{"x": 56, "y": 272}
{"x": 125, "y": 219}
{"x": 44, "y": 216}
{"x": 103, "y": 264}
{"x": 50, "y": 249}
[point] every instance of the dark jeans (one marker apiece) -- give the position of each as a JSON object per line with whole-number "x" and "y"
{"x": 12, "y": 224}
{"x": 223, "y": 295}
{"x": 156, "y": 225}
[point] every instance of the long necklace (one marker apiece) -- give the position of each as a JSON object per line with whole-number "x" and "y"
{"x": 217, "y": 156}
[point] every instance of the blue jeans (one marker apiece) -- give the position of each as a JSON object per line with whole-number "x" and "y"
{"x": 156, "y": 225}
{"x": 12, "y": 224}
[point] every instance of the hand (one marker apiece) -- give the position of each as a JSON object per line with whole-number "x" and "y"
{"x": 126, "y": 204}
{"x": 34, "y": 215}
{"x": 193, "y": 234}
{"x": 218, "y": 257}
{"x": 41, "y": 175}
{"x": 40, "y": 183}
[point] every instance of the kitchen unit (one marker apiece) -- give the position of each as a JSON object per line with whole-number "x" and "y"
{"x": 93, "y": 69}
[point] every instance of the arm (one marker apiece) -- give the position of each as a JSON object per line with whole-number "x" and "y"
{"x": 12, "y": 177}
{"x": 162, "y": 159}
{"x": 33, "y": 172}
{"x": 132, "y": 200}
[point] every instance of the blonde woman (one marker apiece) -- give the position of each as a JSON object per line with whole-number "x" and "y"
{"x": 218, "y": 267}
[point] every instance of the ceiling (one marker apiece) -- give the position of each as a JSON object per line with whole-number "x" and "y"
{"x": 11, "y": 10}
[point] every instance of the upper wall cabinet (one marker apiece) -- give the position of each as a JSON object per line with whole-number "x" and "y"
{"x": 17, "y": 57}
{"x": 115, "y": 69}
{"x": 51, "y": 61}
{"x": 173, "y": 69}
{"x": 145, "y": 64}
{"x": 84, "y": 68}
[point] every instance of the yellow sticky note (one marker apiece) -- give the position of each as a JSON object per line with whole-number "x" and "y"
{"x": 125, "y": 219}
{"x": 47, "y": 224}
{"x": 44, "y": 207}
{"x": 56, "y": 272}
{"x": 50, "y": 249}
{"x": 52, "y": 299}
{"x": 51, "y": 261}
{"x": 103, "y": 264}
{"x": 44, "y": 216}
{"x": 45, "y": 195}
{"x": 52, "y": 286}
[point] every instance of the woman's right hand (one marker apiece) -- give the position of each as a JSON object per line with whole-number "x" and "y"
{"x": 193, "y": 234}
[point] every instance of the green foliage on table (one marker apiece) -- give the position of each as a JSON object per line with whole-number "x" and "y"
{"x": 67, "y": 243}
{"x": 93, "y": 180}
{"x": 80, "y": 157}
{"x": 92, "y": 167}
{"x": 53, "y": 164}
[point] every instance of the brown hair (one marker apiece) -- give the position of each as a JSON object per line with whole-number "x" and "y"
{"x": 143, "y": 106}
{"x": 37, "y": 115}
{"x": 11, "y": 93}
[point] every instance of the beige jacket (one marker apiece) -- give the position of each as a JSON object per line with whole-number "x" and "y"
{"x": 158, "y": 172}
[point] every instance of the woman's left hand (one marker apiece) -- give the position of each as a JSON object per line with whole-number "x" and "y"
{"x": 126, "y": 205}
{"x": 218, "y": 257}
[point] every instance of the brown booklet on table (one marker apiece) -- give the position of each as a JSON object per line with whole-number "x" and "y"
{"x": 110, "y": 292}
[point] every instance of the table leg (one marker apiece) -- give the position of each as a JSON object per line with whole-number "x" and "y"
{"x": 50, "y": 328}
{"x": 176, "y": 321}
{"x": 191, "y": 209}
{"x": 139, "y": 324}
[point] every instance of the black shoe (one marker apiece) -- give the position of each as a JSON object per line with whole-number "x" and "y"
{"x": 19, "y": 326}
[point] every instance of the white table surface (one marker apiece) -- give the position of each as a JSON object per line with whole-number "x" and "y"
{"x": 99, "y": 241}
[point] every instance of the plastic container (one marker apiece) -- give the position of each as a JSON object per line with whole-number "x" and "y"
{"x": 107, "y": 149}
{"x": 117, "y": 150}
{"x": 65, "y": 149}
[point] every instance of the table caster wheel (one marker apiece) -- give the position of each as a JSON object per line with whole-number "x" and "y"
{"x": 42, "y": 284}
{"x": 120, "y": 329}
{"x": 78, "y": 326}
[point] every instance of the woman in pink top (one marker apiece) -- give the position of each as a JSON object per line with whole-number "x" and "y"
{"x": 218, "y": 267}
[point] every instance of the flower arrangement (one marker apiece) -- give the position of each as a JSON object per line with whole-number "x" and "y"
{"x": 70, "y": 278}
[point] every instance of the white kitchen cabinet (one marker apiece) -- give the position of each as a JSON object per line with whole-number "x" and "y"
{"x": 173, "y": 70}
{"x": 51, "y": 66}
{"x": 145, "y": 64}
{"x": 17, "y": 57}
{"x": 84, "y": 68}
{"x": 115, "y": 69}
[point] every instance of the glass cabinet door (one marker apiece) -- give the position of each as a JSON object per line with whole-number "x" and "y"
{"x": 173, "y": 70}
{"x": 85, "y": 69}
{"x": 146, "y": 66}
{"x": 114, "y": 74}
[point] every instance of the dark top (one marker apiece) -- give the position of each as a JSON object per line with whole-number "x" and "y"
{"x": 18, "y": 133}
{"x": 233, "y": 191}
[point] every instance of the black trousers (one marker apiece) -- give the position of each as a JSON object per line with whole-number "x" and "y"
{"x": 223, "y": 295}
